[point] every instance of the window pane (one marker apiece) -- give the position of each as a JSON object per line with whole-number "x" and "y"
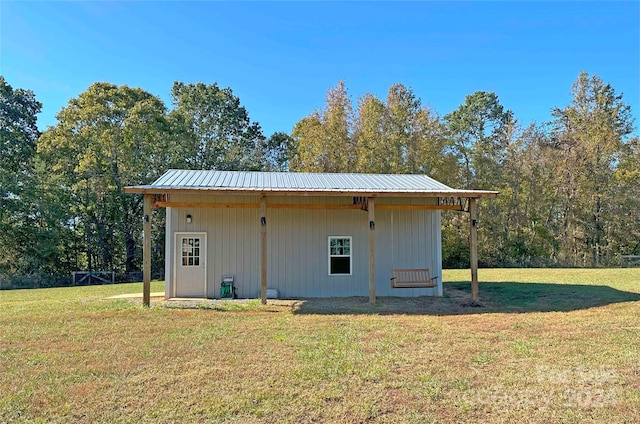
{"x": 340, "y": 265}
{"x": 346, "y": 242}
{"x": 333, "y": 242}
{"x": 190, "y": 251}
{"x": 346, "y": 250}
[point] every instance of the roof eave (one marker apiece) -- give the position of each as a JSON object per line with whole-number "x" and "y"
{"x": 476, "y": 194}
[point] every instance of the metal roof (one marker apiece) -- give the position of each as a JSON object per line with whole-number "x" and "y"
{"x": 301, "y": 183}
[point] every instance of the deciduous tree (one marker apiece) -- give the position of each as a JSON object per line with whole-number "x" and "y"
{"x": 215, "y": 128}
{"x": 590, "y": 134}
{"x": 108, "y": 137}
{"x": 18, "y": 135}
{"x": 324, "y": 139}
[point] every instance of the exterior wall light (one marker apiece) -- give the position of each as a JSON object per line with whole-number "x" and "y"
{"x": 188, "y": 219}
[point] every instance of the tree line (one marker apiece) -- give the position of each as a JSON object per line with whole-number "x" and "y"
{"x": 569, "y": 188}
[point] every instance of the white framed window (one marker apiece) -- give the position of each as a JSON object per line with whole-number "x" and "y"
{"x": 340, "y": 259}
{"x": 190, "y": 251}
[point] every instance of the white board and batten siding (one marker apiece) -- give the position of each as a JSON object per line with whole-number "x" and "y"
{"x": 297, "y": 240}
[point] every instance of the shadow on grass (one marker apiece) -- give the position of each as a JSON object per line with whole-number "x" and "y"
{"x": 494, "y": 298}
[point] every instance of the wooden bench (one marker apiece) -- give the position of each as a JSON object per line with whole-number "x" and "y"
{"x": 412, "y": 278}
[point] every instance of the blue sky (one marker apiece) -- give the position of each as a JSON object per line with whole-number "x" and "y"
{"x": 281, "y": 58}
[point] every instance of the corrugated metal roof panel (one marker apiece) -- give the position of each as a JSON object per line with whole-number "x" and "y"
{"x": 303, "y": 183}
{"x": 290, "y": 181}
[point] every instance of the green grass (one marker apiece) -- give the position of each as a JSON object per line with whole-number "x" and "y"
{"x": 551, "y": 289}
{"x": 556, "y": 345}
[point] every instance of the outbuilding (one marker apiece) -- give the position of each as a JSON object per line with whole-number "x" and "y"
{"x": 297, "y": 235}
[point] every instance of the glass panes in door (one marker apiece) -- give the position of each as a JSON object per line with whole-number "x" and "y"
{"x": 190, "y": 251}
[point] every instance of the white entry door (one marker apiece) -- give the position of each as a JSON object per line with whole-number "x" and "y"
{"x": 191, "y": 267}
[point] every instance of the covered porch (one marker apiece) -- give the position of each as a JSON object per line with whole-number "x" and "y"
{"x": 268, "y": 191}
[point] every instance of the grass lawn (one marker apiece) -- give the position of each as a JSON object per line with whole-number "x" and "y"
{"x": 560, "y": 345}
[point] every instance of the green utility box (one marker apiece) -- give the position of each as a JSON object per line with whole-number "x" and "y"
{"x": 227, "y": 290}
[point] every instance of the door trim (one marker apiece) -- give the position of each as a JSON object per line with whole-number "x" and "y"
{"x": 175, "y": 253}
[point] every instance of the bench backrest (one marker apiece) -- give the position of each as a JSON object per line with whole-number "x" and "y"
{"x": 407, "y": 278}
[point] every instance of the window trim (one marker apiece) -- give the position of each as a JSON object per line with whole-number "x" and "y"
{"x": 329, "y": 256}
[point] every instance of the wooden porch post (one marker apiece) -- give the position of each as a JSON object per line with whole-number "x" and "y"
{"x": 372, "y": 251}
{"x": 263, "y": 250}
{"x": 146, "y": 251}
{"x": 473, "y": 244}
